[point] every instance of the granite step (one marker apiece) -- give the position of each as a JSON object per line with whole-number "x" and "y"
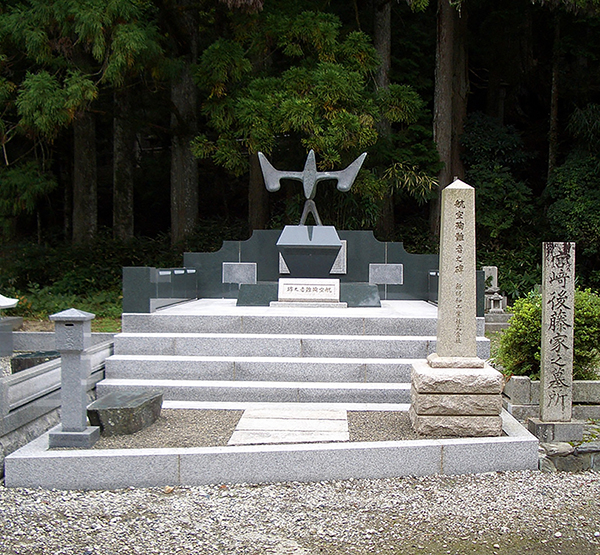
{"x": 184, "y": 367}
{"x": 279, "y": 324}
{"x": 282, "y": 345}
{"x": 252, "y": 391}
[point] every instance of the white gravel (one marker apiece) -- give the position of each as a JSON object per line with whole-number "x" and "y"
{"x": 513, "y": 512}
{"x": 5, "y": 369}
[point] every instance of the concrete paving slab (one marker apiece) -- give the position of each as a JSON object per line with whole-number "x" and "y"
{"x": 258, "y": 437}
{"x": 291, "y": 425}
{"x": 296, "y": 413}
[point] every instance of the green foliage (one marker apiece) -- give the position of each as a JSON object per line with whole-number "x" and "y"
{"x": 519, "y": 273}
{"x": 72, "y": 47}
{"x": 294, "y": 84}
{"x": 46, "y": 105}
{"x": 502, "y": 201}
{"x": 520, "y": 344}
{"x": 21, "y": 187}
{"x": 487, "y": 142}
{"x": 574, "y": 189}
{"x": 40, "y": 302}
{"x": 493, "y": 155}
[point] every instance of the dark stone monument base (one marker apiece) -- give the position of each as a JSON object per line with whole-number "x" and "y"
{"x": 257, "y": 294}
{"x": 353, "y": 294}
{"x": 309, "y": 251}
{"x": 84, "y": 439}
{"x": 123, "y": 413}
{"x": 548, "y": 432}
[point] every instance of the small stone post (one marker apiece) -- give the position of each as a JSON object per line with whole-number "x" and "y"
{"x": 455, "y": 392}
{"x": 73, "y": 336}
{"x": 556, "y": 376}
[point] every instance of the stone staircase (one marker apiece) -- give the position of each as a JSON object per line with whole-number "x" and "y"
{"x": 213, "y": 351}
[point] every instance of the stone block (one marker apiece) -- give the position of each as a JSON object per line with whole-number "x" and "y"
{"x": 481, "y": 381}
{"x": 518, "y": 390}
{"x": 572, "y": 463}
{"x": 555, "y": 431}
{"x": 386, "y": 274}
{"x": 309, "y": 251}
{"x": 459, "y": 426}
{"x": 436, "y": 361}
{"x": 456, "y": 405}
{"x": 239, "y": 272}
{"x": 586, "y": 391}
{"x": 6, "y": 340}
{"x": 83, "y": 439}
{"x": 591, "y": 447}
{"x": 309, "y": 289}
{"x": 121, "y": 413}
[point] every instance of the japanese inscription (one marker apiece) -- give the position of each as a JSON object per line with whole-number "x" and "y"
{"x": 457, "y": 296}
{"x": 557, "y": 331}
{"x": 306, "y": 289}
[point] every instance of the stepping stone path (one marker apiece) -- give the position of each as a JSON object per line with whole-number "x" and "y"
{"x": 290, "y": 425}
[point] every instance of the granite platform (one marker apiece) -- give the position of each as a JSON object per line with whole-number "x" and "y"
{"x": 35, "y": 465}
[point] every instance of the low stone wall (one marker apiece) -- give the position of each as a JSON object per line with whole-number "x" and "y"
{"x": 568, "y": 458}
{"x": 522, "y": 398}
{"x": 30, "y": 399}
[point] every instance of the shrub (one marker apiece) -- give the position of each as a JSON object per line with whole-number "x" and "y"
{"x": 520, "y": 344}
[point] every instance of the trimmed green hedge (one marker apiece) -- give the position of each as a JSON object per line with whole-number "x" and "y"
{"x": 520, "y": 344}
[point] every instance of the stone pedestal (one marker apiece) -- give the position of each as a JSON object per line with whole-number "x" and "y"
{"x": 458, "y": 401}
{"x": 549, "y": 432}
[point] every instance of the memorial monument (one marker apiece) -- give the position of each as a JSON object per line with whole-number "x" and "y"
{"x": 309, "y": 252}
{"x": 454, "y": 392}
{"x": 556, "y": 373}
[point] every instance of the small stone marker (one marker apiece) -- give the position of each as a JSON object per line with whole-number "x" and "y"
{"x": 124, "y": 413}
{"x": 556, "y": 377}
{"x": 454, "y": 392}
{"x": 73, "y": 337}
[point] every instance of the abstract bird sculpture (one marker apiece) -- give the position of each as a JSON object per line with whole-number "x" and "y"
{"x": 309, "y": 178}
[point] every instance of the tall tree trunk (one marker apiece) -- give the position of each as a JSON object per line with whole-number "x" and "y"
{"x": 85, "y": 197}
{"x": 184, "y": 127}
{"x": 123, "y": 166}
{"x": 258, "y": 199}
{"x": 554, "y": 95}
{"x": 450, "y": 98}
{"x": 382, "y": 40}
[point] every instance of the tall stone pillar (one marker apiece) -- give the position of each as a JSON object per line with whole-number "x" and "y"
{"x": 73, "y": 336}
{"x": 556, "y": 376}
{"x": 455, "y": 392}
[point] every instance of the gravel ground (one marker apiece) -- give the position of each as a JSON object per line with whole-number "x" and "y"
{"x": 493, "y": 513}
{"x": 211, "y": 428}
{"x": 5, "y": 369}
{"x": 513, "y": 513}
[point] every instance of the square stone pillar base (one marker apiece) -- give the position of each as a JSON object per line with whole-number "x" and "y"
{"x": 547, "y": 432}
{"x": 457, "y": 401}
{"x": 80, "y": 440}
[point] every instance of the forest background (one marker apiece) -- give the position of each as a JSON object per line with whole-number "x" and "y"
{"x": 129, "y": 130}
